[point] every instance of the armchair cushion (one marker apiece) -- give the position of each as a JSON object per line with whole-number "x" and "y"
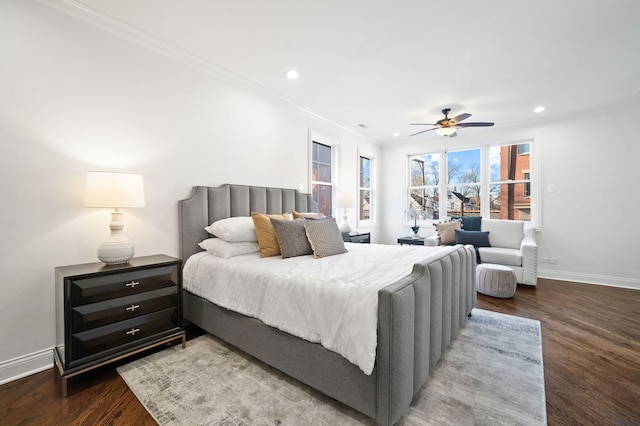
{"x": 500, "y": 256}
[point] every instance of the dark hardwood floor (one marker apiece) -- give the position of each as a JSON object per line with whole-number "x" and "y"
{"x": 590, "y": 342}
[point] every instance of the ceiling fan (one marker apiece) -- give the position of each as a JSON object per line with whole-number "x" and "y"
{"x": 447, "y": 126}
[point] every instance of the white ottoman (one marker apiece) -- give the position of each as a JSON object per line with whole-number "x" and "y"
{"x": 496, "y": 280}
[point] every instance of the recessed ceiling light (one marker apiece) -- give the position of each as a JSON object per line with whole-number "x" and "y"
{"x": 539, "y": 109}
{"x": 292, "y": 74}
{"x": 396, "y": 134}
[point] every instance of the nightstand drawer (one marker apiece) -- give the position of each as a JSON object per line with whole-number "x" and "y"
{"x": 113, "y": 337}
{"x": 363, "y": 238}
{"x": 95, "y": 289}
{"x": 357, "y": 237}
{"x": 114, "y": 310}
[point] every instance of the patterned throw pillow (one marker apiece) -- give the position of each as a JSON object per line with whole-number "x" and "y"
{"x": 291, "y": 237}
{"x": 447, "y": 231}
{"x": 325, "y": 237}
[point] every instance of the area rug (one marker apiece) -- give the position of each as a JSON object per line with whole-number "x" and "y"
{"x": 491, "y": 375}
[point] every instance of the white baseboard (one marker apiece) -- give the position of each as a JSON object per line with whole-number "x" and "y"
{"x": 590, "y": 278}
{"x": 25, "y": 365}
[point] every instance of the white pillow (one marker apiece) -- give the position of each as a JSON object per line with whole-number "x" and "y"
{"x": 233, "y": 229}
{"x": 225, "y": 249}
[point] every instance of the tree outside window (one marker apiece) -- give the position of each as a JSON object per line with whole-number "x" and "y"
{"x": 463, "y": 183}
{"x": 424, "y": 178}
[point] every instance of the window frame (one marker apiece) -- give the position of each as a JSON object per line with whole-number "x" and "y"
{"x": 485, "y": 178}
{"x": 461, "y": 185}
{"x": 334, "y": 145}
{"x": 421, "y": 219}
{"x": 533, "y": 201}
{"x": 364, "y": 223}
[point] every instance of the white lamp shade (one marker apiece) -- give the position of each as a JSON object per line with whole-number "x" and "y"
{"x": 114, "y": 190}
{"x": 345, "y": 200}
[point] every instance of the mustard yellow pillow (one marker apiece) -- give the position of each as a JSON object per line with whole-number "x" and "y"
{"x": 266, "y": 235}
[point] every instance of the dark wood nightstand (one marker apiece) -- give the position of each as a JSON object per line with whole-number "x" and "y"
{"x": 357, "y": 237}
{"x": 411, "y": 241}
{"x": 106, "y": 313}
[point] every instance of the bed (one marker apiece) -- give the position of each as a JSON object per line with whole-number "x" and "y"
{"x": 417, "y": 316}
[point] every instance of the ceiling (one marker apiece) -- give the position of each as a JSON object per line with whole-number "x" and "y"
{"x": 384, "y": 64}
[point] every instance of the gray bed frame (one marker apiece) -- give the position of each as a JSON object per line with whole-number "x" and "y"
{"x": 418, "y": 316}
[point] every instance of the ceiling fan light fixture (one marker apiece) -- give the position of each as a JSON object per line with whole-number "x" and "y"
{"x": 445, "y": 131}
{"x": 447, "y": 126}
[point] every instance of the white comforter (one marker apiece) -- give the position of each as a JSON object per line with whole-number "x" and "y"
{"x": 332, "y": 300}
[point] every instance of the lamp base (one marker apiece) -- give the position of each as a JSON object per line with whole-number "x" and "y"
{"x": 344, "y": 227}
{"x": 118, "y": 248}
{"x": 115, "y": 251}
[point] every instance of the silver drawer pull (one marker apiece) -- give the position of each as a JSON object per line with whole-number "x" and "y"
{"x": 132, "y": 284}
{"x": 133, "y": 331}
{"x": 132, "y": 308}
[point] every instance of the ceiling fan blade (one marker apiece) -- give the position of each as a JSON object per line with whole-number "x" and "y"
{"x": 477, "y": 124}
{"x": 428, "y": 130}
{"x": 421, "y": 124}
{"x": 461, "y": 117}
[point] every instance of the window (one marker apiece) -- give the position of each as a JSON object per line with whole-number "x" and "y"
{"x": 493, "y": 181}
{"x": 463, "y": 183}
{"x": 424, "y": 178}
{"x": 322, "y": 177}
{"x": 510, "y": 182}
{"x": 364, "y": 189}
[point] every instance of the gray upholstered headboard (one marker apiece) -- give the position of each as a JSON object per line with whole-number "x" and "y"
{"x": 208, "y": 204}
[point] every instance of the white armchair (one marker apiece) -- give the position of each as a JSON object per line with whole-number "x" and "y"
{"x": 511, "y": 245}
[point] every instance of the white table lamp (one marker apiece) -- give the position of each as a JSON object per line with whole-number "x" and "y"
{"x": 114, "y": 190}
{"x": 345, "y": 200}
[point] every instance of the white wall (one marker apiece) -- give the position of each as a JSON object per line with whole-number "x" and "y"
{"x": 589, "y": 223}
{"x": 77, "y": 98}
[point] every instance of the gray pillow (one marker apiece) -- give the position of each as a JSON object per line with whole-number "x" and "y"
{"x": 325, "y": 237}
{"x": 291, "y": 237}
